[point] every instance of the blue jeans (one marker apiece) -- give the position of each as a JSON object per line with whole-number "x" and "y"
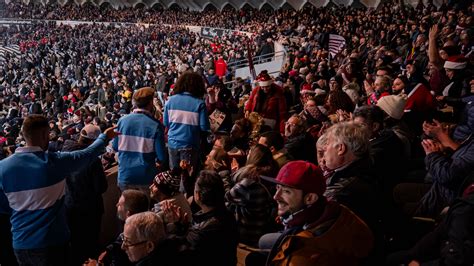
{"x": 187, "y": 154}
{"x": 192, "y": 156}
{"x": 51, "y": 256}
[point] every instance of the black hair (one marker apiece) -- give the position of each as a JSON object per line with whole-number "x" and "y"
{"x": 210, "y": 188}
{"x": 135, "y": 201}
{"x": 273, "y": 139}
{"x": 371, "y": 114}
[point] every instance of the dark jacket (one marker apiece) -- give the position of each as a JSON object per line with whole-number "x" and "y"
{"x": 450, "y": 243}
{"x": 165, "y": 254}
{"x": 115, "y": 255}
{"x": 386, "y": 152}
{"x": 355, "y": 186}
{"x": 448, "y": 174}
{"x": 226, "y": 105}
{"x": 84, "y": 188}
{"x": 301, "y": 147}
{"x": 465, "y": 126}
{"x": 212, "y": 239}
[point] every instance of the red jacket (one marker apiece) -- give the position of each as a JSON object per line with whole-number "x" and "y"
{"x": 221, "y": 67}
{"x": 273, "y": 108}
{"x": 373, "y": 99}
{"x": 420, "y": 100}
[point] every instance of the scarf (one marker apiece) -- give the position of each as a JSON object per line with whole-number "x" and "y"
{"x": 310, "y": 213}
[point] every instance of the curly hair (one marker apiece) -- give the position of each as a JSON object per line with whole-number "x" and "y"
{"x": 339, "y": 100}
{"x": 191, "y": 82}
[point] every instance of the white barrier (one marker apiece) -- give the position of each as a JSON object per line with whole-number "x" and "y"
{"x": 273, "y": 67}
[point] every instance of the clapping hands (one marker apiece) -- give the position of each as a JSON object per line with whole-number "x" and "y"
{"x": 173, "y": 213}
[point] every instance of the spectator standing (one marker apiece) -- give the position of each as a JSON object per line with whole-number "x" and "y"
{"x": 221, "y": 67}
{"x": 268, "y": 100}
{"x": 141, "y": 147}
{"x": 83, "y": 200}
{"x": 186, "y": 118}
{"x": 39, "y": 227}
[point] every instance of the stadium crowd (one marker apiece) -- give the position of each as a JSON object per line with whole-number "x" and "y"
{"x": 362, "y": 158}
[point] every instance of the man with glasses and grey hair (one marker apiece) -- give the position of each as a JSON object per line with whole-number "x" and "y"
{"x": 143, "y": 240}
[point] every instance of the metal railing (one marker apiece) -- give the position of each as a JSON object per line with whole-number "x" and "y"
{"x": 256, "y": 60}
{"x": 231, "y": 83}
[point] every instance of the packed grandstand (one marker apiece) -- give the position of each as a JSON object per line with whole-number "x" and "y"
{"x": 237, "y": 133}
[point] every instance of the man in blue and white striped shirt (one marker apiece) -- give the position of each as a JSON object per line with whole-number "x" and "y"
{"x": 33, "y": 181}
{"x": 141, "y": 145}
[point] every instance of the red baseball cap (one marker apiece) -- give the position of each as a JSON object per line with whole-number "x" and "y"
{"x": 300, "y": 175}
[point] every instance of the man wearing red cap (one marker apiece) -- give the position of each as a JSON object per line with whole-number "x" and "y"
{"x": 317, "y": 231}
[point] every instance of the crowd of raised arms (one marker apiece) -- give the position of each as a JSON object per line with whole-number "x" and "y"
{"x": 361, "y": 157}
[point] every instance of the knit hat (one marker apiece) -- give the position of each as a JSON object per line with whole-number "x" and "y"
{"x": 300, "y": 175}
{"x": 264, "y": 80}
{"x": 90, "y": 132}
{"x": 455, "y": 62}
{"x": 169, "y": 179}
{"x": 304, "y": 70}
{"x": 393, "y": 105}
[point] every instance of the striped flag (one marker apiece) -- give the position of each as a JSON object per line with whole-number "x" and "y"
{"x": 336, "y": 44}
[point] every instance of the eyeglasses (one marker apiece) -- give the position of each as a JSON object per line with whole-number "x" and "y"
{"x": 127, "y": 244}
